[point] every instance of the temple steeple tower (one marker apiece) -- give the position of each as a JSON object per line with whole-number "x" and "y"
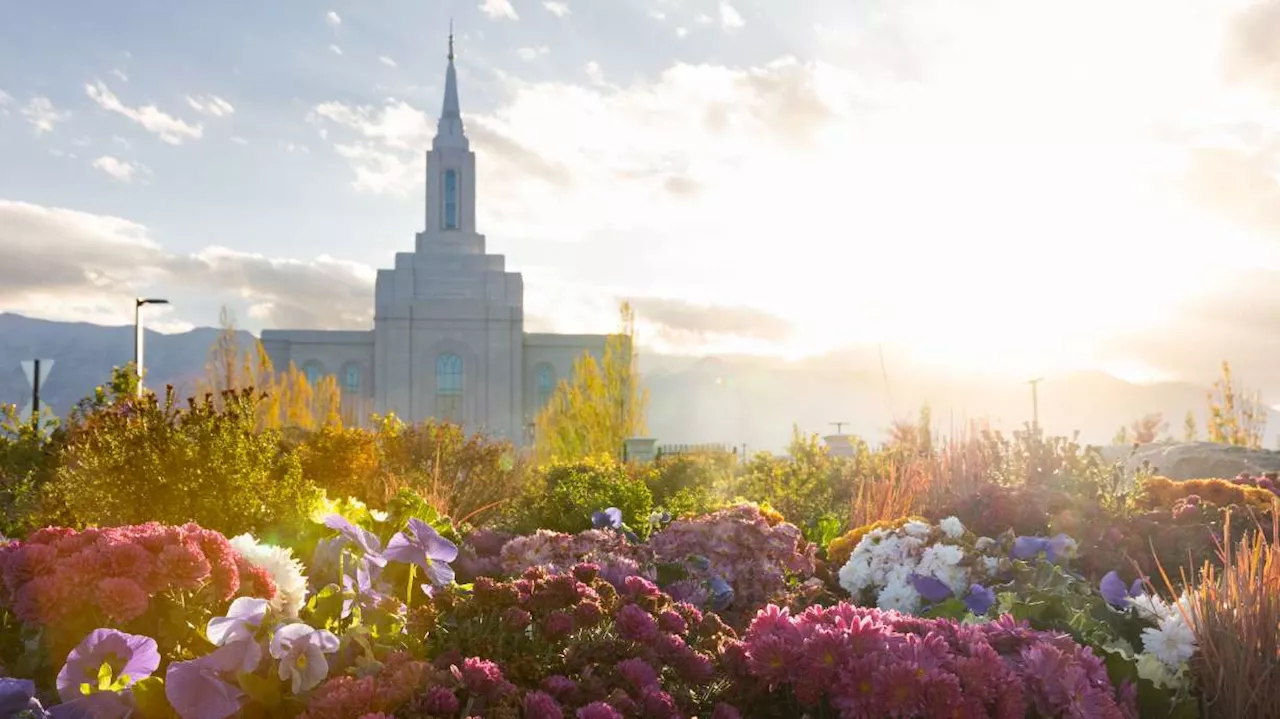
{"x": 451, "y": 177}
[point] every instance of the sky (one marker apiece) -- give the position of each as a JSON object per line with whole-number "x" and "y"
{"x": 997, "y": 186}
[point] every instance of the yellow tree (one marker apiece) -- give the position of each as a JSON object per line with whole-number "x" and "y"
{"x": 1234, "y": 418}
{"x": 601, "y": 405}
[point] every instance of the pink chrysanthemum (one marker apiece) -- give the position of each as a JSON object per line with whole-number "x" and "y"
{"x": 540, "y": 705}
{"x": 636, "y": 624}
{"x": 121, "y": 599}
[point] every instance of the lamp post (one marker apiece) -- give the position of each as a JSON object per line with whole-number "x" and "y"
{"x": 137, "y": 333}
{"x": 1035, "y": 404}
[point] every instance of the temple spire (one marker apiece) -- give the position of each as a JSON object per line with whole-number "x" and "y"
{"x": 449, "y": 130}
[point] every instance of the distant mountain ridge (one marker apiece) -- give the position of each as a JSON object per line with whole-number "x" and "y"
{"x": 731, "y": 400}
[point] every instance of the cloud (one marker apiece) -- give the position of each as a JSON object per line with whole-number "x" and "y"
{"x": 730, "y": 18}
{"x": 239, "y": 140}
{"x": 559, "y": 9}
{"x": 333, "y": 19}
{"x": 529, "y": 54}
{"x": 700, "y": 321}
{"x": 117, "y": 72}
{"x": 210, "y": 105}
{"x": 335, "y": 49}
{"x": 64, "y": 264}
{"x": 5, "y": 98}
{"x": 122, "y": 170}
{"x": 499, "y": 10}
{"x": 168, "y": 128}
{"x": 386, "y": 61}
{"x": 42, "y": 115}
{"x": 594, "y": 73}
{"x": 1242, "y": 184}
{"x": 682, "y": 31}
{"x": 1252, "y": 54}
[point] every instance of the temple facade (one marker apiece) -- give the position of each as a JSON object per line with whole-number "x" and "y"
{"x": 448, "y": 339}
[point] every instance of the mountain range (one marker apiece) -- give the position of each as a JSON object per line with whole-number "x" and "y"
{"x": 741, "y": 400}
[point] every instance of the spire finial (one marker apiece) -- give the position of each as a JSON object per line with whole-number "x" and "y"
{"x": 450, "y": 39}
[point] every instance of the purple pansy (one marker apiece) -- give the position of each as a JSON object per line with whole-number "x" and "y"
{"x": 980, "y": 599}
{"x": 610, "y": 518}
{"x": 1054, "y": 548}
{"x": 422, "y": 545}
{"x": 930, "y": 588}
{"x": 99, "y": 705}
{"x": 362, "y": 538}
{"x": 19, "y": 695}
{"x": 1115, "y": 592}
{"x": 131, "y": 656}
{"x": 196, "y": 690}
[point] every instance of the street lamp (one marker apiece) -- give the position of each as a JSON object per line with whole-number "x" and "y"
{"x": 1035, "y": 404}
{"x": 137, "y": 333}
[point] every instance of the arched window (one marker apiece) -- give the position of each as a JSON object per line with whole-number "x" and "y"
{"x": 314, "y": 371}
{"x": 546, "y": 384}
{"x": 451, "y": 199}
{"x": 351, "y": 378}
{"x": 449, "y": 384}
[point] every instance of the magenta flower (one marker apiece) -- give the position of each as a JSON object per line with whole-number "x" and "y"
{"x": 636, "y": 624}
{"x": 599, "y": 710}
{"x": 540, "y": 705}
{"x": 638, "y": 673}
{"x": 131, "y": 657}
{"x": 422, "y": 545}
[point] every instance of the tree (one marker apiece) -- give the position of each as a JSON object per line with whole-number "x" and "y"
{"x": 1235, "y": 419}
{"x": 1148, "y": 428}
{"x": 599, "y": 407}
{"x": 1190, "y": 433}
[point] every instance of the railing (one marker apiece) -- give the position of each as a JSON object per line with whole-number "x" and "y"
{"x": 708, "y": 448}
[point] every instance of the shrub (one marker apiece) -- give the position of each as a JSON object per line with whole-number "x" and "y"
{"x": 462, "y": 476}
{"x": 805, "y": 487}
{"x": 565, "y": 494}
{"x": 139, "y": 460}
{"x": 344, "y": 462}
{"x": 1164, "y": 493}
{"x": 687, "y": 485}
{"x": 1235, "y": 615}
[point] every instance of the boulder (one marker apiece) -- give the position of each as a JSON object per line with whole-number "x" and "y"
{"x": 1196, "y": 460}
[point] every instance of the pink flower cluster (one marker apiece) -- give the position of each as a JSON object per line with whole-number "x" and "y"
{"x": 110, "y": 576}
{"x": 740, "y": 547}
{"x": 556, "y": 552}
{"x": 861, "y": 662}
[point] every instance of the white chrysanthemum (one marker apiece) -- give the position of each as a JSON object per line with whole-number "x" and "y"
{"x": 942, "y": 555}
{"x": 900, "y": 596}
{"x": 916, "y": 528}
{"x": 284, "y": 570}
{"x": 1150, "y": 607}
{"x": 951, "y": 527}
{"x": 991, "y": 565}
{"x": 1172, "y": 642}
{"x": 855, "y": 576}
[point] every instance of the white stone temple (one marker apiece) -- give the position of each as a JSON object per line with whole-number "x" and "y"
{"x": 448, "y": 339}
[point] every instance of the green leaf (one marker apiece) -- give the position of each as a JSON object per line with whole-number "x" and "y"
{"x": 149, "y": 698}
{"x": 262, "y": 690}
{"x": 950, "y": 609}
{"x": 326, "y": 606}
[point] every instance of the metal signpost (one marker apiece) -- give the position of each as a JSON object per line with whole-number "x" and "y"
{"x": 37, "y": 372}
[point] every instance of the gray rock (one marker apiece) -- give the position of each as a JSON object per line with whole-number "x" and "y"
{"x": 1196, "y": 460}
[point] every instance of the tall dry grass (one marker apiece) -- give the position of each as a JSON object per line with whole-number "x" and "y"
{"x": 1235, "y": 615}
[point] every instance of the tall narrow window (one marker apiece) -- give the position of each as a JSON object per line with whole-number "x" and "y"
{"x": 449, "y": 383}
{"x": 314, "y": 371}
{"x": 451, "y": 199}
{"x": 546, "y": 384}
{"x": 351, "y": 379}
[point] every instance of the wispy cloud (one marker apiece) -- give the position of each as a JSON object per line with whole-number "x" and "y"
{"x": 559, "y": 9}
{"x": 42, "y": 115}
{"x": 122, "y": 170}
{"x": 499, "y": 10}
{"x": 333, "y": 19}
{"x": 529, "y": 54}
{"x": 386, "y": 61}
{"x": 167, "y": 127}
{"x": 210, "y": 105}
{"x": 118, "y": 73}
{"x": 730, "y": 18}
{"x": 335, "y": 49}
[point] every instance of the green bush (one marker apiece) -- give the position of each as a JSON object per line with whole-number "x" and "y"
{"x": 138, "y": 460}
{"x": 688, "y": 485}
{"x": 564, "y": 495}
{"x": 808, "y": 487}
